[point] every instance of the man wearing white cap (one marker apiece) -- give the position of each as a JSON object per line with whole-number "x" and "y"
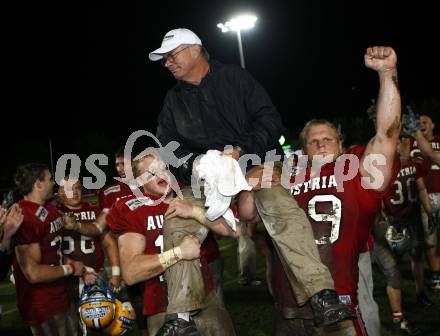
{"x": 213, "y": 106}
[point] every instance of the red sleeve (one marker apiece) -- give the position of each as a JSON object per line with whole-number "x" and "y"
{"x": 121, "y": 220}
{"x": 422, "y": 168}
{"x": 103, "y": 204}
{"x": 29, "y": 232}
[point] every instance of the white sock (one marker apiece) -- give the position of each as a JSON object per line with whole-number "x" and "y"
{"x": 184, "y": 316}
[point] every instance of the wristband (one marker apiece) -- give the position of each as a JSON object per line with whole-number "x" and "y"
{"x": 67, "y": 269}
{"x": 98, "y": 227}
{"x": 199, "y": 215}
{"x": 71, "y": 264}
{"x": 170, "y": 257}
{"x": 116, "y": 271}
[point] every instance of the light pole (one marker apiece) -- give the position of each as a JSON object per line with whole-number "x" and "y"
{"x": 238, "y": 24}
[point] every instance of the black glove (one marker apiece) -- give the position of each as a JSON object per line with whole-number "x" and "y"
{"x": 410, "y": 122}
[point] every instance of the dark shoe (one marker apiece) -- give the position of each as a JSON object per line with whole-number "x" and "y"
{"x": 175, "y": 326}
{"x": 328, "y": 310}
{"x": 403, "y": 327}
{"x": 424, "y": 300}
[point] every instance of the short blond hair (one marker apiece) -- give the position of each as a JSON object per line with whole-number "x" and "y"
{"x": 151, "y": 152}
{"x": 315, "y": 122}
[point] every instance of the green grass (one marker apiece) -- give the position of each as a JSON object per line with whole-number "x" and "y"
{"x": 251, "y": 307}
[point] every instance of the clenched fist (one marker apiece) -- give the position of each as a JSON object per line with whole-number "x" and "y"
{"x": 190, "y": 248}
{"x": 380, "y": 59}
{"x": 70, "y": 222}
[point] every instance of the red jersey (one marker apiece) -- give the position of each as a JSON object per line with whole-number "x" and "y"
{"x": 137, "y": 215}
{"x": 80, "y": 247}
{"x": 341, "y": 221}
{"x": 109, "y": 195}
{"x": 209, "y": 249}
{"x": 401, "y": 200}
{"x": 40, "y": 302}
{"x": 432, "y": 179}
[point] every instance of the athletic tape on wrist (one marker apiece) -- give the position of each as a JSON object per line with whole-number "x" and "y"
{"x": 67, "y": 269}
{"x": 116, "y": 271}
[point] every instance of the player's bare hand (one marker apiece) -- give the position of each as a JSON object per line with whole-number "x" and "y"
{"x": 190, "y": 248}
{"x": 234, "y": 153}
{"x": 10, "y": 221}
{"x": 70, "y": 222}
{"x": 380, "y": 59}
{"x": 78, "y": 268}
{"x": 115, "y": 283}
{"x": 179, "y": 208}
{"x": 90, "y": 278}
{"x": 263, "y": 176}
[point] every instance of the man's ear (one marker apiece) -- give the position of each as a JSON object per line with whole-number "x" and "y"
{"x": 195, "y": 50}
{"x": 37, "y": 184}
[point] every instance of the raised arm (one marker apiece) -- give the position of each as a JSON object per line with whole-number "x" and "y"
{"x": 383, "y": 60}
{"x": 426, "y": 148}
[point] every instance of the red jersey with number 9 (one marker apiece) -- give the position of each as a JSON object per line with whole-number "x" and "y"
{"x": 338, "y": 220}
{"x": 43, "y": 225}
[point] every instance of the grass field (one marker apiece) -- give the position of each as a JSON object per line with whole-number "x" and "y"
{"x": 251, "y": 307}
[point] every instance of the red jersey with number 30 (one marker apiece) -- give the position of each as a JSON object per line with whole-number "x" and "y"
{"x": 337, "y": 219}
{"x": 43, "y": 225}
{"x": 80, "y": 247}
{"x": 432, "y": 179}
{"x": 402, "y": 198}
{"x": 138, "y": 215}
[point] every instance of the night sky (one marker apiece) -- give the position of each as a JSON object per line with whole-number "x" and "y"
{"x": 84, "y": 80}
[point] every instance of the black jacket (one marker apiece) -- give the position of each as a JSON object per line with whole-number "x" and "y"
{"x": 229, "y": 107}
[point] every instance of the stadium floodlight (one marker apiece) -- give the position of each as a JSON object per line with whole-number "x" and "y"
{"x": 237, "y": 24}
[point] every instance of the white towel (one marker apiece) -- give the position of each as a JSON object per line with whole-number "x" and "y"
{"x": 222, "y": 180}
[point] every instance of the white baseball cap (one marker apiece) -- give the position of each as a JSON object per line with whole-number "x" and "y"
{"x": 172, "y": 40}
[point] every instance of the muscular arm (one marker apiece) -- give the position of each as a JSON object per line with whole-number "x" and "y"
{"x": 424, "y": 197}
{"x": 426, "y": 148}
{"x": 185, "y": 209}
{"x": 137, "y": 266}
{"x": 92, "y": 230}
{"x": 247, "y": 210}
{"x": 110, "y": 245}
{"x": 29, "y": 260}
{"x": 383, "y": 60}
